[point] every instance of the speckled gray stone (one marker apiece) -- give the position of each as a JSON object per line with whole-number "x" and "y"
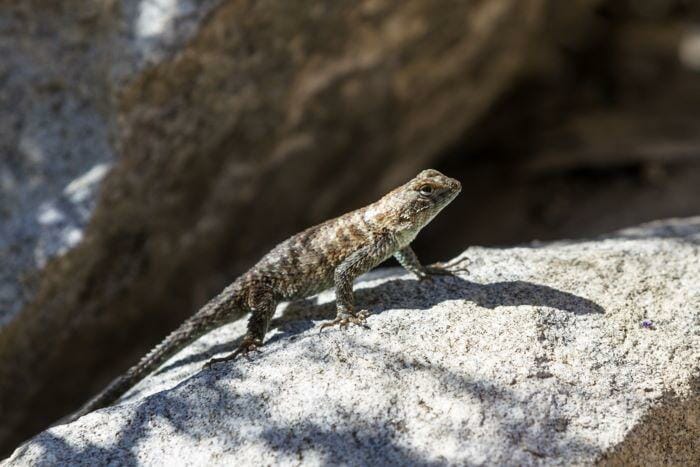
{"x": 537, "y": 356}
{"x": 197, "y": 122}
{"x": 55, "y": 124}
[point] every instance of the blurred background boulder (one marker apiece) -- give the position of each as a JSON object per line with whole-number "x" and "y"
{"x": 154, "y": 149}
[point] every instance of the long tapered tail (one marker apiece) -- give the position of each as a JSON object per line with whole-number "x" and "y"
{"x": 220, "y": 310}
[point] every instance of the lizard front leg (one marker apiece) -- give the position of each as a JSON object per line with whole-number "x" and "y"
{"x": 408, "y": 259}
{"x": 353, "y": 266}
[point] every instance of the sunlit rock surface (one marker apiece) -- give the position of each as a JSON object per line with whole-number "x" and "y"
{"x": 61, "y": 63}
{"x": 547, "y": 354}
{"x": 151, "y": 150}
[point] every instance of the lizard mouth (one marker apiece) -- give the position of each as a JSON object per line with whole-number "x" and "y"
{"x": 454, "y": 188}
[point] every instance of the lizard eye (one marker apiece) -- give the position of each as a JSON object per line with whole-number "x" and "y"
{"x": 425, "y": 190}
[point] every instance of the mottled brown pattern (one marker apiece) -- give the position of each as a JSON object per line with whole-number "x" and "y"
{"x": 332, "y": 253}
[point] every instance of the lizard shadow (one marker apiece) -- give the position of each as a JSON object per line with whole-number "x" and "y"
{"x": 300, "y": 316}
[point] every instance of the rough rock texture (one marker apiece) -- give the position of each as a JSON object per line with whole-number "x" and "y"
{"x": 227, "y": 125}
{"x": 539, "y": 355}
{"x": 63, "y": 63}
{"x": 214, "y": 128}
{"x": 53, "y": 138}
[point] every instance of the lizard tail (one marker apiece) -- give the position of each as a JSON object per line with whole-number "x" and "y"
{"x": 217, "y": 312}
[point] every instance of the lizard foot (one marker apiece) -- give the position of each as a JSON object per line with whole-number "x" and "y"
{"x": 248, "y": 345}
{"x": 359, "y": 318}
{"x": 442, "y": 269}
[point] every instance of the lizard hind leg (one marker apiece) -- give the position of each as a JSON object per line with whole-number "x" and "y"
{"x": 249, "y": 344}
{"x": 262, "y": 306}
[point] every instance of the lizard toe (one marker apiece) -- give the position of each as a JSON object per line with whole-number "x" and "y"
{"x": 359, "y": 319}
{"x": 248, "y": 345}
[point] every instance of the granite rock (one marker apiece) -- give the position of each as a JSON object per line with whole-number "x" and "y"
{"x": 546, "y": 354}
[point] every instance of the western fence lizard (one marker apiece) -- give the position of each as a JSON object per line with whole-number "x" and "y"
{"x": 333, "y": 253}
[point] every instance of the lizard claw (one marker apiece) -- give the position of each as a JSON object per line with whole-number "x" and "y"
{"x": 359, "y": 318}
{"x": 441, "y": 269}
{"x": 248, "y": 345}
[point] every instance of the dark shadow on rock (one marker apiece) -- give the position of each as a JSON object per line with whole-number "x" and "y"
{"x": 371, "y": 445}
{"x": 224, "y": 347}
{"x": 299, "y": 316}
{"x": 121, "y": 452}
{"x": 685, "y": 230}
{"x": 427, "y": 294}
{"x": 376, "y": 440}
{"x": 668, "y": 434}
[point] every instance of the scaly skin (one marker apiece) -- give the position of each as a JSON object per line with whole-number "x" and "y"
{"x": 333, "y": 253}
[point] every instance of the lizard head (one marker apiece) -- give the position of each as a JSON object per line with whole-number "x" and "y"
{"x": 426, "y": 195}
{"x": 411, "y": 206}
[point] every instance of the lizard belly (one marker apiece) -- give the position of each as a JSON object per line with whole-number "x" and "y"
{"x": 305, "y": 288}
